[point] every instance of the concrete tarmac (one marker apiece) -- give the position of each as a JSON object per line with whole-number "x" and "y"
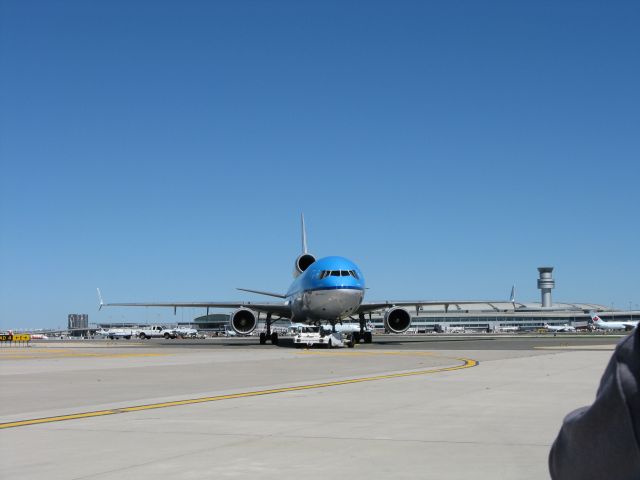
{"x": 423, "y": 407}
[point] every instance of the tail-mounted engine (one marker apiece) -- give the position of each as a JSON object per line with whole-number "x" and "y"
{"x": 302, "y": 263}
{"x": 243, "y": 321}
{"x": 397, "y": 320}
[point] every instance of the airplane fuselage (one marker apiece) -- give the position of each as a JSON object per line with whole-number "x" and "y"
{"x": 601, "y": 324}
{"x": 560, "y": 328}
{"x": 332, "y": 288}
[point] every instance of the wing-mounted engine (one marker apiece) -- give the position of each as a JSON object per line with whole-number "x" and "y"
{"x": 397, "y": 320}
{"x": 302, "y": 263}
{"x": 243, "y": 321}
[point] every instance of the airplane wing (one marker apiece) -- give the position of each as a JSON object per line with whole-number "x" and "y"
{"x": 366, "y": 307}
{"x": 277, "y": 308}
{"x": 280, "y": 309}
{"x": 274, "y": 308}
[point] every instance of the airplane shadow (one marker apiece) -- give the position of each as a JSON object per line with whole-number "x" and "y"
{"x": 430, "y": 340}
{"x": 288, "y": 342}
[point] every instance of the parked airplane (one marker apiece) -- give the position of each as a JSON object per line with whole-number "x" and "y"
{"x": 601, "y": 324}
{"x": 39, "y": 336}
{"x": 559, "y": 328}
{"x": 325, "y": 290}
{"x": 506, "y": 328}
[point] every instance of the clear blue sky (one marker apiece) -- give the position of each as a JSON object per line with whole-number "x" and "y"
{"x": 163, "y": 150}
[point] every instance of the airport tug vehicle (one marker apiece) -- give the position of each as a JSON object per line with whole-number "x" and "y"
{"x": 310, "y": 336}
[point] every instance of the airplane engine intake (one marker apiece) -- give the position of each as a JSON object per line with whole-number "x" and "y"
{"x": 243, "y": 321}
{"x": 302, "y": 263}
{"x": 397, "y": 320}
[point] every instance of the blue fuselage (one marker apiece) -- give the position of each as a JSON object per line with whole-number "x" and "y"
{"x": 332, "y": 288}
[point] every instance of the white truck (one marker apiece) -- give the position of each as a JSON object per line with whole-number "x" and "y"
{"x": 309, "y": 336}
{"x": 157, "y": 331}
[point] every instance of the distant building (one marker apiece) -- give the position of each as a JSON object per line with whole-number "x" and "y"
{"x": 217, "y": 322}
{"x": 78, "y": 324}
{"x": 492, "y": 316}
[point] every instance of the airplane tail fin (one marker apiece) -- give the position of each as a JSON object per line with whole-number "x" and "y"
{"x": 594, "y": 317}
{"x": 101, "y": 303}
{"x": 304, "y": 235}
{"x": 305, "y": 258}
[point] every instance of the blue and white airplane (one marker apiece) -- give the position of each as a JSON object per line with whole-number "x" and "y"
{"x": 325, "y": 291}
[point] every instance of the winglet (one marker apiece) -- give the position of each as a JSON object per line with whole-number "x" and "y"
{"x": 101, "y": 304}
{"x": 304, "y": 235}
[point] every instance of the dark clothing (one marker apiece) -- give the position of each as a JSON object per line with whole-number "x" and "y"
{"x": 603, "y": 441}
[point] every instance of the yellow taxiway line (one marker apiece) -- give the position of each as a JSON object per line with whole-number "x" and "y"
{"x": 65, "y": 354}
{"x": 364, "y": 353}
{"x": 578, "y": 347}
{"x": 466, "y": 363}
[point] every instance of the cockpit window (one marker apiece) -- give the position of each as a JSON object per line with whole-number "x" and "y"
{"x": 338, "y": 273}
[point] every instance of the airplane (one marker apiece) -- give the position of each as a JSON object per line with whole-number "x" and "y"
{"x": 559, "y": 328}
{"x": 39, "y": 336}
{"x": 601, "y": 324}
{"x": 326, "y": 290}
{"x": 507, "y": 328}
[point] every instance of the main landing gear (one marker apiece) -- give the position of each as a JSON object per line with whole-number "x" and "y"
{"x": 264, "y": 337}
{"x": 268, "y": 334}
{"x": 367, "y": 337}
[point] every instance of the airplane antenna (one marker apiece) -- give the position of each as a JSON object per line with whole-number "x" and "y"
{"x": 304, "y": 235}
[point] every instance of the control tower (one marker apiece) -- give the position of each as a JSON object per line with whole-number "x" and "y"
{"x": 546, "y": 283}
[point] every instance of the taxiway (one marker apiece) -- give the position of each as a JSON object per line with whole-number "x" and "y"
{"x": 411, "y": 407}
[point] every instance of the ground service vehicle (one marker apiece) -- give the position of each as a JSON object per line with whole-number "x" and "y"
{"x": 185, "y": 332}
{"x": 157, "y": 331}
{"x": 312, "y": 336}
